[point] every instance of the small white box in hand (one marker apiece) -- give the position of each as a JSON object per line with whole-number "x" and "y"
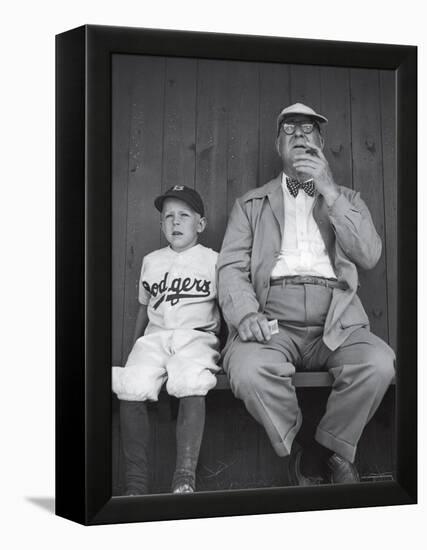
{"x": 274, "y": 326}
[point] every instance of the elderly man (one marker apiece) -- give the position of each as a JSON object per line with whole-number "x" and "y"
{"x": 290, "y": 254}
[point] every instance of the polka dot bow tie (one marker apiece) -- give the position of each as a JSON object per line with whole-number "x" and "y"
{"x": 294, "y": 186}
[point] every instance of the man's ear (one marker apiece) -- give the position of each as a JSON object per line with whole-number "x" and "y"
{"x": 322, "y": 142}
{"x": 278, "y": 145}
{"x": 202, "y": 224}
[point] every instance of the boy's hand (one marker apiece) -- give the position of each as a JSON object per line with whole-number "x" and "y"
{"x": 254, "y": 328}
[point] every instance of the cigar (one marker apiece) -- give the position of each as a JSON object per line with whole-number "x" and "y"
{"x": 311, "y": 151}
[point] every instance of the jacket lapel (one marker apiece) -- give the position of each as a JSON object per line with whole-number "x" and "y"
{"x": 275, "y": 197}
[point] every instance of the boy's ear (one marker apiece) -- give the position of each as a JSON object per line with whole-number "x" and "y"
{"x": 202, "y": 224}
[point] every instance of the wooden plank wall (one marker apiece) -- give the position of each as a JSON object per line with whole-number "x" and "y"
{"x": 210, "y": 124}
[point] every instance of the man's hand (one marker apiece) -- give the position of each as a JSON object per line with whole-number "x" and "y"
{"x": 313, "y": 164}
{"x": 254, "y": 328}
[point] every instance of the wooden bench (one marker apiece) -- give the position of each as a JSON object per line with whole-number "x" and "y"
{"x": 301, "y": 380}
{"x": 319, "y": 379}
{"x": 314, "y": 379}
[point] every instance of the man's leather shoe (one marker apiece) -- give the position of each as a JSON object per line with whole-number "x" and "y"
{"x": 341, "y": 470}
{"x": 295, "y": 475}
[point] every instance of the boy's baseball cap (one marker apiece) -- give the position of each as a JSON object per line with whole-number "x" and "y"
{"x": 299, "y": 109}
{"x": 183, "y": 193}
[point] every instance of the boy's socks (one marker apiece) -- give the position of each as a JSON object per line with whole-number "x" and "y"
{"x": 135, "y": 436}
{"x": 189, "y": 433}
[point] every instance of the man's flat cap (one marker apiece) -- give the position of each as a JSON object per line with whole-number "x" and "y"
{"x": 299, "y": 109}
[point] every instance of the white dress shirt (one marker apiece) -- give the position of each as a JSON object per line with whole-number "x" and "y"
{"x": 303, "y": 251}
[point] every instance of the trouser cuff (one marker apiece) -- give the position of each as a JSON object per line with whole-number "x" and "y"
{"x": 283, "y": 447}
{"x": 339, "y": 446}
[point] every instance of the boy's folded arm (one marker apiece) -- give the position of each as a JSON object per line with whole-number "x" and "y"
{"x": 141, "y": 322}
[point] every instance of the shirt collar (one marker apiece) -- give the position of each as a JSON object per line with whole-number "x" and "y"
{"x": 186, "y": 252}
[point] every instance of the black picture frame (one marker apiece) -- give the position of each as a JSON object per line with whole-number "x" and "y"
{"x": 83, "y": 274}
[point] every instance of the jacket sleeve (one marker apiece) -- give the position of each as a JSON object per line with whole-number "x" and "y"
{"x": 235, "y": 290}
{"x": 355, "y": 231}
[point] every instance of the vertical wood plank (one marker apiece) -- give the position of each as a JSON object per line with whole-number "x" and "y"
{"x": 211, "y": 181}
{"x": 116, "y": 458}
{"x": 179, "y": 131}
{"x": 211, "y": 147}
{"x": 121, "y": 115}
{"x": 388, "y": 122}
{"x": 122, "y": 68}
{"x": 243, "y": 123}
{"x": 145, "y": 176}
{"x": 376, "y": 454}
{"x": 180, "y": 123}
{"x": 335, "y": 105}
{"x": 306, "y": 85}
{"x": 163, "y": 445}
{"x": 368, "y": 179}
{"x": 217, "y": 451}
{"x": 275, "y": 95}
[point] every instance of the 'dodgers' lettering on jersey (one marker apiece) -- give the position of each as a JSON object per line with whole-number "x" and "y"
{"x": 179, "y": 289}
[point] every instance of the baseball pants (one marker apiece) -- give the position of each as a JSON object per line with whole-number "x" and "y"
{"x": 186, "y": 358}
{"x": 261, "y": 374}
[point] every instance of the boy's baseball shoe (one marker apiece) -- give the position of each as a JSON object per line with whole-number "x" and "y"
{"x": 183, "y": 488}
{"x": 341, "y": 470}
{"x": 183, "y": 482}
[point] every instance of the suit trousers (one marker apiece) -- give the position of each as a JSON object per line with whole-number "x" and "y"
{"x": 261, "y": 373}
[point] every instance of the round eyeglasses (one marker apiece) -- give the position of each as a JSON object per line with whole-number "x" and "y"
{"x": 289, "y": 129}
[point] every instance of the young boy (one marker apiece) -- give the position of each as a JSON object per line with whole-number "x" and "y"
{"x": 179, "y": 320}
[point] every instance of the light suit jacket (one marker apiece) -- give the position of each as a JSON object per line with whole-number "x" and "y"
{"x": 252, "y": 244}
